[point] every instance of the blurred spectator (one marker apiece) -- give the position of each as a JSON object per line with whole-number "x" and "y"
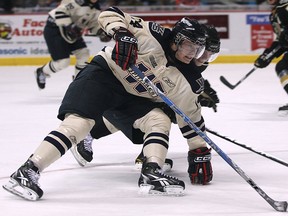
{"x": 7, "y": 6}
{"x": 258, "y": 2}
{"x": 25, "y": 3}
{"x": 227, "y": 2}
{"x": 187, "y": 2}
{"x": 49, "y": 3}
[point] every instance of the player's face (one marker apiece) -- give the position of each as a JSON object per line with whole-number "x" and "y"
{"x": 187, "y": 51}
{"x": 93, "y": 1}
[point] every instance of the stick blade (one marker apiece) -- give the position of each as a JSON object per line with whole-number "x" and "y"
{"x": 225, "y": 82}
{"x": 280, "y": 206}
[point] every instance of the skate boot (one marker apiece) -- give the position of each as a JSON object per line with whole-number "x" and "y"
{"x": 24, "y": 182}
{"x": 283, "y": 111}
{"x": 167, "y": 166}
{"x": 83, "y": 151}
{"x": 153, "y": 181}
{"x": 40, "y": 78}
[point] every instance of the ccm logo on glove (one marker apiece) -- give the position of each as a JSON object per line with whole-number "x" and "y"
{"x": 202, "y": 159}
{"x": 127, "y": 39}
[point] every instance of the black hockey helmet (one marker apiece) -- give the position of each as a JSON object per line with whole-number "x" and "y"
{"x": 188, "y": 29}
{"x": 212, "y": 38}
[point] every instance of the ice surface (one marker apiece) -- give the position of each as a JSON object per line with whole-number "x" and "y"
{"x": 108, "y": 186}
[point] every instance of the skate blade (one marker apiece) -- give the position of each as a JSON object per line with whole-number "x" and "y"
{"x": 80, "y": 160}
{"x": 13, "y": 187}
{"x": 166, "y": 167}
{"x": 170, "y": 190}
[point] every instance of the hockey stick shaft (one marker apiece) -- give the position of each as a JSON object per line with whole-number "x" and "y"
{"x": 249, "y": 148}
{"x": 277, "y": 205}
{"x": 228, "y": 84}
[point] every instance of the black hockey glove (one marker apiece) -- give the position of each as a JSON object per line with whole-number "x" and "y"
{"x": 262, "y": 61}
{"x": 125, "y": 50}
{"x": 72, "y": 32}
{"x": 103, "y": 36}
{"x": 209, "y": 97}
{"x": 200, "y": 168}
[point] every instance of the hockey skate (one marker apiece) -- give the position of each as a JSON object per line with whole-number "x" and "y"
{"x": 152, "y": 181}
{"x": 83, "y": 151}
{"x": 40, "y": 78}
{"x": 24, "y": 182}
{"x": 167, "y": 166}
{"x": 283, "y": 110}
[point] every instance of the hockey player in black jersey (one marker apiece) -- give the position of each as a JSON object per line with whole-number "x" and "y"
{"x": 279, "y": 22}
{"x": 165, "y": 57}
{"x": 63, "y": 36}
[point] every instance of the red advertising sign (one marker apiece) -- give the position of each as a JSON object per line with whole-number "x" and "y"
{"x": 261, "y": 36}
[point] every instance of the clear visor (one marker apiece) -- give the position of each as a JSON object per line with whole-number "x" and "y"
{"x": 190, "y": 49}
{"x": 209, "y": 56}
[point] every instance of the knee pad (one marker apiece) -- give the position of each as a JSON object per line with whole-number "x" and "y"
{"x": 154, "y": 121}
{"x": 75, "y": 127}
{"x": 82, "y": 57}
{"x": 58, "y": 65}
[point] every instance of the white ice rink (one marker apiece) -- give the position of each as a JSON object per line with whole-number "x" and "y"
{"x": 108, "y": 186}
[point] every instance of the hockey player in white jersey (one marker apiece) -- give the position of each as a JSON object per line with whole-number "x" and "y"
{"x": 165, "y": 57}
{"x": 123, "y": 119}
{"x": 63, "y": 36}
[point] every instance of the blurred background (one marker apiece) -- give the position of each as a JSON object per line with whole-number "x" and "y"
{"x": 243, "y": 26}
{"x": 22, "y": 6}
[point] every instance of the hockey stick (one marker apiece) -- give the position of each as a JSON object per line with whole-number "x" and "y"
{"x": 229, "y": 85}
{"x": 249, "y": 148}
{"x": 277, "y": 205}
